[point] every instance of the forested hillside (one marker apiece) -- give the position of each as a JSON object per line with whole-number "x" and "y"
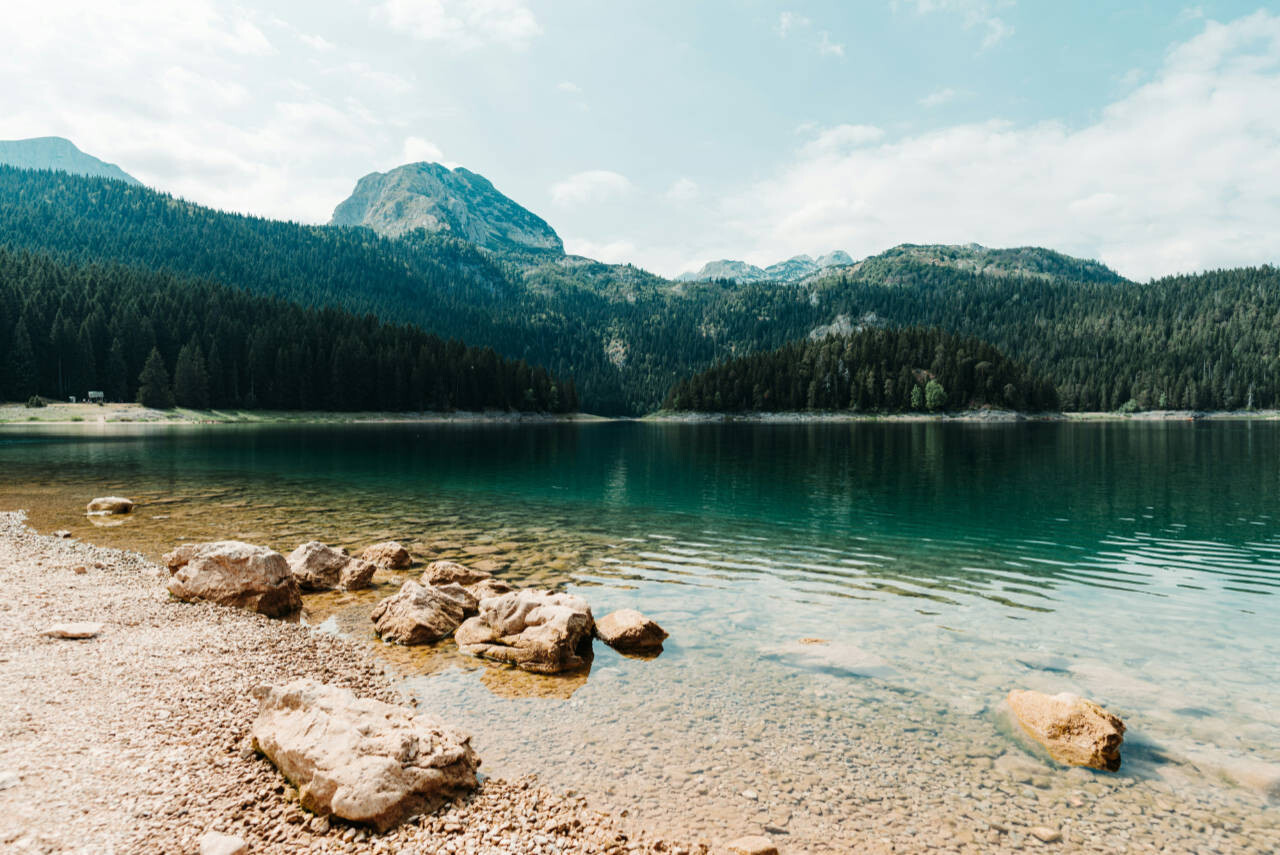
{"x": 1207, "y": 341}
{"x": 67, "y": 329}
{"x": 873, "y": 371}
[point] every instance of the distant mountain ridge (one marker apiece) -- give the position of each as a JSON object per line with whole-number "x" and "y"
{"x": 456, "y": 202}
{"x": 793, "y": 269}
{"x": 59, "y": 154}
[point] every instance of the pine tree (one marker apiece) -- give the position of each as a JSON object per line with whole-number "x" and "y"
{"x": 116, "y": 373}
{"x": 153, "y": 383}
{"x": 23, "y": 380}
{"x": 191, "y": 378}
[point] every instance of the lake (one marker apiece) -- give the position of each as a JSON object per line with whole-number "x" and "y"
{"x": 936, "y": 565}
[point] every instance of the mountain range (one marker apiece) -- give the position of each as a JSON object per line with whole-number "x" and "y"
{"x": 626, "y": 336}
{"x": 60, "y": 154}
{"x": 794, "y": 269}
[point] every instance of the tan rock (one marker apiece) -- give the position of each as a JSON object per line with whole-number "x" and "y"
{"x": 217, "y": 843}
{"x": 110, "y": 505}
{"x": 630, "y": 632}
{"x": 752, "y": 846}
{"x": 319, "y": 567}
{"x": 483, "y": 549}
{"x": 537, "y": 631}
{"x": 419, "y": 614}
{"x": 444, "y": 572}
{"x": 470, "y": 604}
{"x": 73, "y": 630}
{"x": 390, "y": 555}
{"x": 236, "y": 574}
{"x": 1076, "y": 731}
{"x": 1045, "y": 834}
{"x": 486, "y": 588}
{"x": 360, "y": 759}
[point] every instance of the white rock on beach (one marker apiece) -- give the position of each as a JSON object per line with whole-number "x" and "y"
{"x": 752, "y": 846}
{"x": 217, "y": 843}
{"x": 420, "y": 614}
{"x": 360, "y": 759}
{"x": 1076, "y": 731}
{"x": 73, "y": 630}
{"x": 233, "y": 573}
{"x": 110, "y": 505}
{"x": 319, "y": 567}
{"x": 537, "y": 631}
{"x": 630, "y": 632}
{"x": 444, "y": 572}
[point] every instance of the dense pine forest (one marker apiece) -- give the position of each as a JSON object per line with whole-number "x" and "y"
{"x": 1205, "y": 341}
{"x": 165, "y": 339}
{"x": 872, "y": 371}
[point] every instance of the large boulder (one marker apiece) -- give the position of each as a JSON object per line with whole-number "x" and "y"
{"x": 486, "y": 588}
{"x": 232, "y": 573}
{"x": 1076, "y": 731}
{"x": 444, "y": 572}
{"x": 319, "y": 567}
{"x": 629, "y": 631}
{"x": 537, "y": 631}
{"x": 107, "y": 505}
{"x": 420, "y": 614}
{"x": 390, "y": 555}
{"x": 360, "y": 759}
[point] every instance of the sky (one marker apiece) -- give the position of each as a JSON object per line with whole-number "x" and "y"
{"x": 667, "y": 133}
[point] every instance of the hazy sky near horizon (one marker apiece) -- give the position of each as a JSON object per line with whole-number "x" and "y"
{"x": 668, "y": 133}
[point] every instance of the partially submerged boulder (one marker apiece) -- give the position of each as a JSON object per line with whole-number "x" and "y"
{"x": 444, "y": 572}
{"x": 319, "y": 567}
{"x": 107, "y": 505}
{"x": 628, "y": 631}
{"x": 360, "y": 759}
{"x": 390, "y": 555}
{"x": 420, "y": 614}
{"x": 236, "y": 574}
{"x": 1076, "y": 731}
{"x": 537, "y": 631}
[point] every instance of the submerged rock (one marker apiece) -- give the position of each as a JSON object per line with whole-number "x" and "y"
{"x": 630, "y": 632}
{"x": 110, "y": 505}
{"x": 360, "y": 759}
{"x": 537, "y": 631}
{"x": 1076, "y": 731}
{"x": 390, "y": 555}
{"x": 319, "y": 567}
{"x": 444, "y": 572}
{"x": 420, "y": 614}
{"x": 236, "y": 574}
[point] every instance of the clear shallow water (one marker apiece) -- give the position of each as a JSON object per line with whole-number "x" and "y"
{"x": 941, "y": 564}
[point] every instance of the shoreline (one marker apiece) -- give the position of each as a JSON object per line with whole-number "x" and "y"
{"x": 117, "y": 414}
{"x": 157, "y": 751}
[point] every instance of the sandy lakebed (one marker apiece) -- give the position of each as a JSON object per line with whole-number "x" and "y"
{"x": 136, "y": 741}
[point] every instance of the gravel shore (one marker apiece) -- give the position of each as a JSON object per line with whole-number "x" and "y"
{"x": 136, "y": 741}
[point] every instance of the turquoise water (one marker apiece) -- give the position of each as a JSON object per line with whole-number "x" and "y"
{"x": 941, "y": 564}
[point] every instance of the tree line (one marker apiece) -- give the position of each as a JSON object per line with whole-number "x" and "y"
{"x": 164, "y": 339}
{"x": 870, "y": 371}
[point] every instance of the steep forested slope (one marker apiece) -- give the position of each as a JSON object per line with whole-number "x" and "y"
{"x": 68, "y": 329}
{"x": 873, "y": 371}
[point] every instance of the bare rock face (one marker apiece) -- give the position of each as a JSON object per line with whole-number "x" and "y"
{"x": 107, "y": 505}
{"x": 444, "y": 572}
{"x": 630, "y": 632}
{"x": 322, "y": 568}
{"x": 1076, "y": 731}
{"x": 360, "y": 759}
{"x": 419, "y": 614}
{"x": 232, "y": 573}
{"x": 534, "y": 630}
{"x": 390, "y": 555}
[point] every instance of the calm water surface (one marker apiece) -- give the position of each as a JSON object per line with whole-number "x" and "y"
{"x": 942, "y": 564}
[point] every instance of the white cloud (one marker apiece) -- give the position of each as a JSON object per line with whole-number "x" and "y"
{"x": 1181, "y": 174}
{"x": 416, "y": 150}
{"x": 938, "y": 97}
{"x": 682, "y": 190}
{"x": 319, "y": 43}
{"x": 463, "y": 23}
{"x": 826, "y": 47}
{"x": 569, "y": 86}
{"x": 590, "y": 187}
{"x": 980, "y": 14}
{"x": 788, "y": 21}
{"x": 610, "y": 251}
